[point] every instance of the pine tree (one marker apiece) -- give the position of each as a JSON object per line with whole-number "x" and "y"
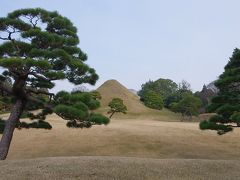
{"x": 188, "y": 106}
{"x": 153, "y": 100}
{"x": 116, "y": 106}
{"x": 39, "y": 47}
{"x": 164, "y": 88}
{"x": 226, "y": 104}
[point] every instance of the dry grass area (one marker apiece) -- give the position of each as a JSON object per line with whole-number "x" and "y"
{"x": 115, "y": 168}
{"x": 125, "y": 149}
{"x": 129, "y": 138}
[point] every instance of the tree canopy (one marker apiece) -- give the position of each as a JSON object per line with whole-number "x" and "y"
{"x": 116, "y": 106}
{"x": 76, "y": 109}
{"x": 152, "y": 100}
{"x": 187, "y": 106}
{"x": 37, "y": 48}
{"x": 161, "y": 87}
{"x": 226, "y": 104}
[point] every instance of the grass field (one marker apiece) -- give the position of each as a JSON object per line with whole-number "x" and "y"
{"x": 126, "y": 137}
{"x": 125, "y": 149}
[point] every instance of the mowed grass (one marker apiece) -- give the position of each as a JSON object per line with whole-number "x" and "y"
{"x": 126, "y": 138}
{"x": 109, "y": 168}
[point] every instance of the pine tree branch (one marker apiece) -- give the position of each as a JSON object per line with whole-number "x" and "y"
{"x": 39, "y": 91}
{"x": 5, "y": 88}
{"x": 33, "y": 99}
{"x": 8, "y": 90}
{"x": 34, "y": 23}
{"x": 4, "y": 38}
{"x": 39, "y": 76}
{"x": 9, "y": 38}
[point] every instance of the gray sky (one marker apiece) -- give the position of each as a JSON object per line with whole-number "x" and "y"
{"x": 137, "y": 40}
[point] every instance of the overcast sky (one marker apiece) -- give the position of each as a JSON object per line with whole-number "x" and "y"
{"x": 133, "y": 41}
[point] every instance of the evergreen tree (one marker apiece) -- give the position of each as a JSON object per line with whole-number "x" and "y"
{"x": 117, "y": 106}
{"x": 39, "y": 47}
{"x": 76, "y": 108}
{"x": 152, "y": 100}
{"x": 226, "y": 104}
{"x": 164, "y": 88}
{"x": 188, "y": 106}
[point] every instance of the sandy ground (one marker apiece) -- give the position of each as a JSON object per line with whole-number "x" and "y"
{"x": 114, "y": 168}
{"x": 126, "y": 138}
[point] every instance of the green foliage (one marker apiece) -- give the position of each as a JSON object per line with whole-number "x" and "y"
{"x": 73, "y": 107}
{"x": 76, "y": 108}
{"x": 174, "y": 107}
{"x": 98, "y": 119}
{"x": 75, "y": 124}
{"x": 82, "y": 106}
{"x": 167, "y": 91}
{"x": 24, "y": 115}
{"x": 75, "y": 97}
{"x": 37, "y": 48}
{"x": 152, "y": 100}
{"x": 117, "y": 106}
{"x": 226, "y": 110}
{"x": 227, "y": 102}
{"x": 30, "y": 106}
{"x": 217, "y": 118}
{"x": 45, "y": 43}
{"x": 84, "y": 97}
{"x": 162, "y": 87}
{"x": 188, "y": 106}
{"x": 69, "y": 112}
{"x": 211, "y": 108}
{"x": 93, "y": 104}
{"x": 96, "y": 95}
{"x": 36, "y": 125}
{"x": 235, "y": 117}
{"x": 220, "y": 128}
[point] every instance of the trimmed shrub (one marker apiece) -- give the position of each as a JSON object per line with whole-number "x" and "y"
{"x": 99, "y": 119}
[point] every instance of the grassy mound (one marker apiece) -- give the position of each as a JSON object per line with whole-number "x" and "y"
{"x": 113, "y": 89}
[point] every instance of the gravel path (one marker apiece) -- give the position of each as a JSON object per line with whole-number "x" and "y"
{"x": 114, "y": 168}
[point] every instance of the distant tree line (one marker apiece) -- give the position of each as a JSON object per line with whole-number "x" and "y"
{"x": 178, "y": 98}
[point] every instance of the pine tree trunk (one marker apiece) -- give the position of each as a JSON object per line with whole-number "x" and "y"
{"x": 9, "y": 128}
{"x": 111, "y": 115}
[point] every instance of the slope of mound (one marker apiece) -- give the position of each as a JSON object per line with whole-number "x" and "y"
{"x": 104, "y": 168}
{"x": 113, "y": 89}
